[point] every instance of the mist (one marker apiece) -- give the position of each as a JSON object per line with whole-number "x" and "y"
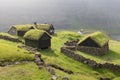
{"x": 63, "y": 14}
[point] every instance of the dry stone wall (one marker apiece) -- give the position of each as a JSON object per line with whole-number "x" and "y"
{"x": 88, "y": 61}
{"x": 93, "y": 50}
{"x": 10, "y": 39}
{"x": 71, "y": 43}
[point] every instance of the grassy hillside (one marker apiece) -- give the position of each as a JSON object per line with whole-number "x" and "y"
{"x": 28, "y": 71}
{"x": 9, "y": 51}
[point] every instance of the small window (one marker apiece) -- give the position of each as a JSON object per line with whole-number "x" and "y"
{"x": 51, "y": 31}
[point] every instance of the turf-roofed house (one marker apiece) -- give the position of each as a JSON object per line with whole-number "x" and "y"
{"x": 47, "y": 27}
{"x": 38, "y": 38}
{"x": 20, "y": 30}
{"x": 95, "y": 43}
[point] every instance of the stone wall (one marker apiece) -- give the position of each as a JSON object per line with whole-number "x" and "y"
{"x": 88, "y": 61}
{"x": 93, "y": 50}
{"x": 72, "y": 43}
{"x": 10, "y": 39}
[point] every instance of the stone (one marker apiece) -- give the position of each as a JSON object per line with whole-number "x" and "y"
{"x": 104, "y": 78}
{"x": 54, "y": 77}
{"x": 65, "y": 78}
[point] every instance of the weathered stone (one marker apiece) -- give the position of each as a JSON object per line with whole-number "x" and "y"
{"x": 54, "y": 77}
{"x": 65, "y": 78}
{"x": 105, "y": 79}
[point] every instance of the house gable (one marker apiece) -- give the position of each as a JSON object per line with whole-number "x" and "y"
{"x": 45, "y": 36}
{"x": 13, "y": 31}
{"x": 89, "y": 43}
{"x": 98, "y": 37}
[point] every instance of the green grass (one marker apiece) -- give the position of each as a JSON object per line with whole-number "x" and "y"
{"x": 28, "y": 71}
{"x": 82, "y": 71}
{"x": 9, "y": 51}
{"x": 69, "y": 35}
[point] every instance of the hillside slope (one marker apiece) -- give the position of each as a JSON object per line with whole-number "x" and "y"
{"x": 29, "y": 71}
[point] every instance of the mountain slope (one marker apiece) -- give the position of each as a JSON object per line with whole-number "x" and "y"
{"x": 29, "y": 71}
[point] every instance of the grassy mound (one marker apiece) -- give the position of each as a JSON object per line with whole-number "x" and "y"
{"x": 69, "y": 35}
{"x": 28, "y": 71}
{"x": 9, "y": 52}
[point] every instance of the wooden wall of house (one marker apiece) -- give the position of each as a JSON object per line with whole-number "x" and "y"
{"x": 45, "y": 43}
{"x": 21, "y": 33}
{"x": 32, "y": 43}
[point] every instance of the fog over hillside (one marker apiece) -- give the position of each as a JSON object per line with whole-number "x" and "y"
{"x": 64, "y": 14}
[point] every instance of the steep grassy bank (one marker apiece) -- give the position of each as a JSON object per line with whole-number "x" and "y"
{"x": 29, "y": 71}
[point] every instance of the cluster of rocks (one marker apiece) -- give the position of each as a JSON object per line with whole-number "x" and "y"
{"x": 10, "y": 39}
{"x": 104, "y": 78}
{"x": 72, "y": 43}
{"x": 89, "y": 62}
{"x": 49, "y": 67}
{"x": 110, "y": 66}
{"x": 31, "y": 49}
{"x": 10, "y": 63}
{"x": 61, "y": 69}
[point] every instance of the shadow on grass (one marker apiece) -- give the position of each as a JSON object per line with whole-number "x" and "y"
{"x": 49, "y": 52}
{"x": 106, "y": 71}
{"x": 112, "y": 55}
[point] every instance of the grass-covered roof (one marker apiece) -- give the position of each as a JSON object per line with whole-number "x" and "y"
{"x": 34, "y": 34}
{"x": 98, "y": 37}
{"x": 23, "y": 27}
{"x": 29, "y": 26}
{"x": 43, "y": 26}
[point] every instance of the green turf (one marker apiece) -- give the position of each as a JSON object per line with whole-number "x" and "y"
{"x": 23, "y": 27}
{"x": 10, "y": 52}
{"x": 98, "y": 37}
{"x": 28, "y": 71}
{"x": 34, "y": 34}
{"x": 43, "y": 26}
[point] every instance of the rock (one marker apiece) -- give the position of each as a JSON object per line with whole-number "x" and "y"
{"x": 17, "y": 62}
{"x": 52, "y": 71}
{"x": 65, "y": 78}
{"x": 54, "y": 77}
{"x": 104, "y": 78}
